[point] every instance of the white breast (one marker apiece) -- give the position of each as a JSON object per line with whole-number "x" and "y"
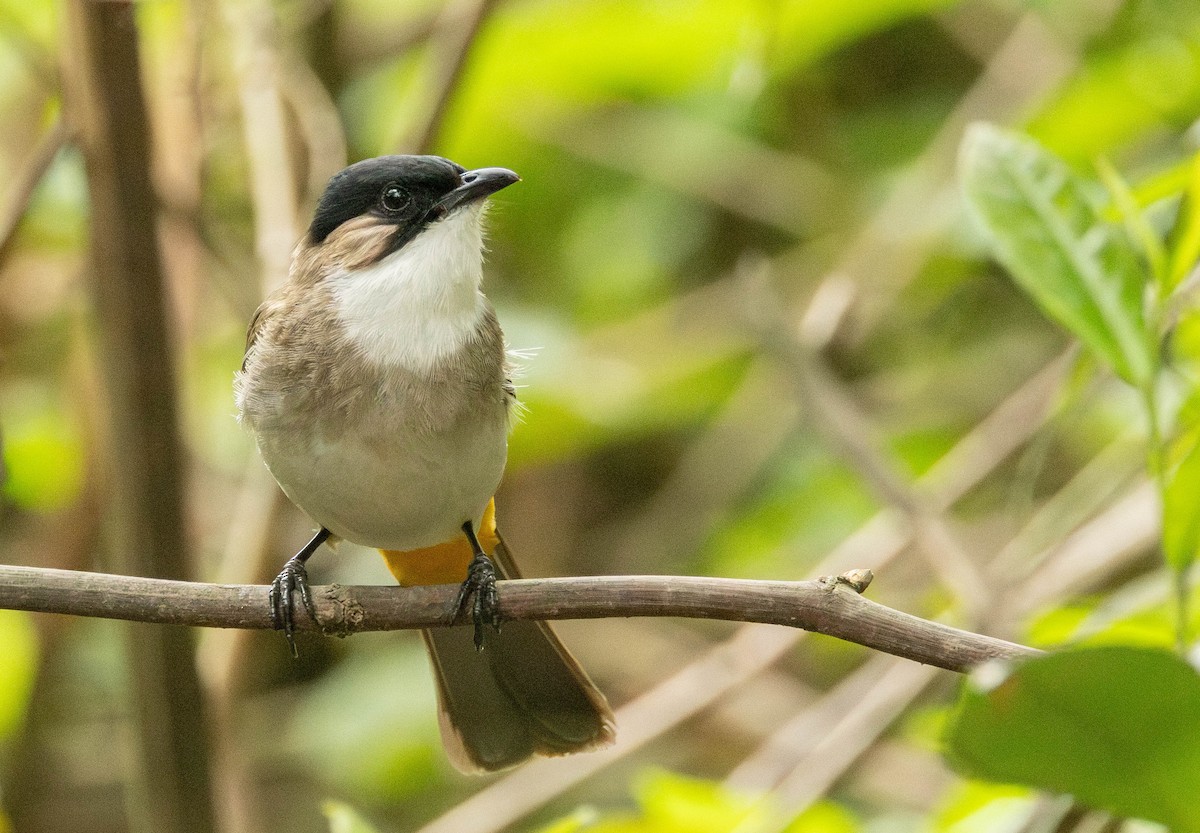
{"x": 418, "y": 306}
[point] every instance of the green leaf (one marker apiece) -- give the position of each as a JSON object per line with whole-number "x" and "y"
{"x": 1181, "y": 503}
{"x": 1136, "y": 225}
{"x": 43, "y": 459}
{"x": 18, "y": 670}
{"x": 581, "y": 818}
{"x": 1049, "y": 235}
{"x": 824, "y": 817}
{"x": 673, "y": 803}
{"x": 1125, "y": 90}
{"x": 344, "y": 819}
{"x": 1185, "y": 249}
{"x": 1117, "y": 727}
{"x": 978, "y": 805}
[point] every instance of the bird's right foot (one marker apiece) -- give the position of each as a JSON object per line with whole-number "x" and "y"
{"x": 477, "y": 597}
{"x": 291, "y": 578}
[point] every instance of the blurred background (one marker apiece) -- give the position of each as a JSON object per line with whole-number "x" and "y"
{"x": 763, "y": 341}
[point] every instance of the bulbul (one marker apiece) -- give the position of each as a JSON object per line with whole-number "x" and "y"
{"x": 377, "y": 385}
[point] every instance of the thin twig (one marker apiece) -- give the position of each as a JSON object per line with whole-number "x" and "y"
{"x": 825, "y": 606}
{"x": 797, "y": 736}
{"x": 25, "y": 183}
{"x": 850, "y": 432}
{"x": 251, "y": 27}
{"x": 849, "y": 738}
{"x": 453, "y": 38}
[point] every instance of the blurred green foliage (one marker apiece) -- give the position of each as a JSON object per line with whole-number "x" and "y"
{"x": 1116, "y": 727}
{"x": 979, "y": 805}
{"x": 18, "y": 671}
{"x": 669, "y": 803}
{"x": 343, "y": 819}
{"x": 384, "y": 748}
{"x": 44, "y": 463}
{"x": 1086, "y": 273}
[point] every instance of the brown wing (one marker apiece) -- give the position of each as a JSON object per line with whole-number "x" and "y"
{"x": 257, "y": 321}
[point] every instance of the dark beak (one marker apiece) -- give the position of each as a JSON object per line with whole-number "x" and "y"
{"x": 476, "y": 185}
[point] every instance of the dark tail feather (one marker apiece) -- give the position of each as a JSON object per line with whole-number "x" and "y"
{"x": 524, "y": 694}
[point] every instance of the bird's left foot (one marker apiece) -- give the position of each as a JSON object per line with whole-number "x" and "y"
{"x": 293, "y": 577}
{"x": 478, "y": 595}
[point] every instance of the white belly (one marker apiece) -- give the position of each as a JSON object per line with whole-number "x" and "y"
{"x": 398, "y": 492}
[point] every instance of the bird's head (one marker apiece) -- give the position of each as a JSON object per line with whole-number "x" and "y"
{"x": 377, "y": 207}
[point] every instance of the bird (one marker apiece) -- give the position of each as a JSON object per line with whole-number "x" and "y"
{"x": 378, "y": 387}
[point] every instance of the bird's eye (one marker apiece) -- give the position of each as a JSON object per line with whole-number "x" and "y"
{"x": 394, "y": 198}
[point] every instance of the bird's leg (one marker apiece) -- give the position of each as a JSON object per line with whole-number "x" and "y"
{"x": 480, "y": 585}
{"x": 291, "y": 578}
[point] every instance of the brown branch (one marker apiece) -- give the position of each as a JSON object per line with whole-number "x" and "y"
{"x": 827, "y": 605}
{"x": 106, "y": 108}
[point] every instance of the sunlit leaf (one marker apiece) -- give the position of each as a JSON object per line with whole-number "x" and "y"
{"x": 1056, "y": 626}
{"x": 344, "y": 819}
{"x": 1185, "y": 248}
{"x": 978, "y": 805}
{"x": 672, "y": 802}
{"x": 1181, "y": 503}
{"x": 581, "y": 819}
{"x": 1142, "y": 620}
{"x": 1127, "y": 90}
{"x": 1047, "y": 232}
{"x": 18, "y": 668}
{"x": 1164, "y": 184}
{"x": 1131, "y": 215}
{"x": 1117, "y": 727}
{"x": 43, "y": 458}
{"x": 824, "y": 817}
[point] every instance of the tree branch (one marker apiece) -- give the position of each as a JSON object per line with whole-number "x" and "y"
{"x": 142, "y": 448}
{"x": 828, "y": 605}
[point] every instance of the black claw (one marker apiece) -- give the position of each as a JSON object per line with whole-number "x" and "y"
{"x": 478, "y": 593}
{"x": 291, "y": 578}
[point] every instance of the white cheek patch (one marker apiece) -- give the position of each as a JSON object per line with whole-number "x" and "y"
{"x": 421, "y": 304}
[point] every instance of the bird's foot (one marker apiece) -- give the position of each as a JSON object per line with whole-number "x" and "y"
{"x": 293, "y": 577}
{"x": 478, "y": 595}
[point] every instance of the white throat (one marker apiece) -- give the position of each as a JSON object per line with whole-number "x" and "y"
{"x": 421, "y": 304}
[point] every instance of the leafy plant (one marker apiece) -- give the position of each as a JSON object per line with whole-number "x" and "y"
{"x": 1046, "y": 226}
{"x": 1117, "y": 727}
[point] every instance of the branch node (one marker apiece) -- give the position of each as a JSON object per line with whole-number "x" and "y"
{"x": 345, "y": 613}
{"x": 856, "y": 580}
